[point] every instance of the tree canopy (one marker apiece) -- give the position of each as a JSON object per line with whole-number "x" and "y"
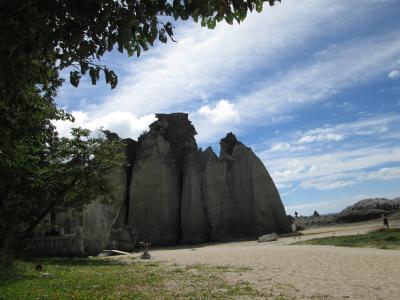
{"x": 64, "y": 33}
{"x": 40, "y": 38}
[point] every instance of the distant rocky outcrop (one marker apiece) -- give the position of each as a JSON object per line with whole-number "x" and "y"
{"x": 177, "y": 193}
{"x": 367, "y": 209}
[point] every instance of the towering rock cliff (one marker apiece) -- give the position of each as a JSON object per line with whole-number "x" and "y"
{"x": 228, "y": 197}
{"x": 179, "y": 194}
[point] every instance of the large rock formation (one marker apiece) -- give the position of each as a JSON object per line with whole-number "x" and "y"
{"x": 367, "y": 209}
{"x": 156, "y": 181}
{"x": 171, "y": 192}
{"x": 179, "y": 194}
{"x": 228, "y": 197}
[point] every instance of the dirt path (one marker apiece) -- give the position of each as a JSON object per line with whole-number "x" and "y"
{"x": 303, "y": 271}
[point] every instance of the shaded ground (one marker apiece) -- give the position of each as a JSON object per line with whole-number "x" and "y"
{"x": 104, "y": 279}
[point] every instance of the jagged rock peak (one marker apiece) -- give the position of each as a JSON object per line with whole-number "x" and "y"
{"x": 175, "y": 123}
{"x": 111, "y": 136}
{"x": 228, "y": 143}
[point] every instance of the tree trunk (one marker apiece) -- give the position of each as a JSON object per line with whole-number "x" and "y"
{"x": 7, "y": 253}
{"x": 53, "y": 218}
{"x": 57, "y": 200}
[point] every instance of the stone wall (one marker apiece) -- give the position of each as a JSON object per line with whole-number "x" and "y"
{"x": 64, "y": 245}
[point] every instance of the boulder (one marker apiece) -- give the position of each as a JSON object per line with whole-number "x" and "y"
{"x": 366, "y": 209}
{"x": 396, "y": 203}
{"x": 268, "y": 238}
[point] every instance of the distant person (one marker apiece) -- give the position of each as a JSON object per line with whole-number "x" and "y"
{"x": 296, "y": 214}
{"x": 295, "y": 231}
{"x": 385, "y": 222}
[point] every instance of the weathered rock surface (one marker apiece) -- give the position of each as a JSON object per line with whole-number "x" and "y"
{"x": 171, "y": 192}
{"x": 180, "y": 194}
{"x": 97, "y": 222}
{"x": 229, "y": 197}
{"x": 156, "y": 183}
{"x": 367, "y": 209}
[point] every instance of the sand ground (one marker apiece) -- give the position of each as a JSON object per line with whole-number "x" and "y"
{"x": 303, "y": 271}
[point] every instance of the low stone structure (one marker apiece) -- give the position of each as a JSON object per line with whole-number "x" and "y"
{"x": 63, "y": 245}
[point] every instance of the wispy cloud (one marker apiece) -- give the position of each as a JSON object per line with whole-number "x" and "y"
{"x": 240, "y": 63}
{"x": 306, "y": 161}
{"x": 381, "y": 126}
{"x": 394, "y": 74}
{"x": 337, "y": 68}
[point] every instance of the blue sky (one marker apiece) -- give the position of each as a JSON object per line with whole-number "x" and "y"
{"x": 312, "y": 86}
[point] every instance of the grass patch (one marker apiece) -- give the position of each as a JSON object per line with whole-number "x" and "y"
{"x": 107, "y": 279}
{"x": 382, "y": 239}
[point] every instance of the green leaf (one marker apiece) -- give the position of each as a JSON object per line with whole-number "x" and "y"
{"x": 74, "y": 78}
{"x": 229, "y": 18}
{"x": 259, "y": 6}
{"x": 211, "y": 23}
{"x": 94, "y": 74}
{"x": 113, "y": 79}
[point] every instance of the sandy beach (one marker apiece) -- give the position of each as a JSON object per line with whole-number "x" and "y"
{"x": 302, "y": 271}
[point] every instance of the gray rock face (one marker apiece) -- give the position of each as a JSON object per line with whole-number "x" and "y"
{"x": 96, "y": 219}
{"x": 179, "y": 194}
{"x": 366, "y": 209}
{"x": 97, "y": 222}
{"x": 173, "y": 193}
{"x": 156, "y": 183}
{"x": 229, "y": 197}
{"x": 155, "y": 193}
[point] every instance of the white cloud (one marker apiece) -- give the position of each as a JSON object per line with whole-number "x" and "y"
{"x": 340, "y": 67}
{"x": 280, "y": 147}
{"x": 394, "y": 74}
{"x": 123, "y": 123}
{"x": 305, "y": 159}
{"x": 348, "y": 178}
{"x": 214, "y": 122}
{"x": 285, "y": 147}
{"x": 366, "y": 126}
{"x": 383, "y": 174}
{"x": 223, "y": 112}
{"x": 300, "y": 168}
{"x": 322, "y": 137}
{"x": 379, "y": 127}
